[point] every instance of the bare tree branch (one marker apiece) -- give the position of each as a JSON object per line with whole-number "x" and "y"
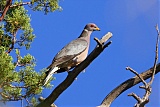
{"x": 20, "y": 4}
{"x": 136, "y": 73}
{"x": 73, "y": 74}
{"x": 13, "y": 41}
{"x": 135, "y": 96}
{"x": 126, "y": 85}
{"x": 156, "y": 56}
{"x": 135, "y": 80}
{"x": 147, "y": 86}
{"x": 9, "y": 2}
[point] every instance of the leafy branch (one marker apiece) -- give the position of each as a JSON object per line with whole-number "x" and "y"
{"x": 8, "y": 3}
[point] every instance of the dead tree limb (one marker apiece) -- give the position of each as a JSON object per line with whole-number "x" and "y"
{"x": 126, "y": 85}
{"x": 135, "y": 80}
{"x": 73, "y": 74}
{"x": 156, "y": 54}
{"x": 141, "y": 102}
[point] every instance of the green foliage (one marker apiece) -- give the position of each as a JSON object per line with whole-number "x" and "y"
{"x": 8, "y": 76}
{"x": 18, "y": 78}
{"x": 45, "y": 5}
{"x": 2, "y": 4}
{"x": 6, "y": 66}
{"x": 34, "y": 101}
{"x": 16, "y": 85}
{"x": 28, "y": 59}
{"x": 5, "y": 39}
{"x": 22, "y": 83}
{"x": 16, "y": 20}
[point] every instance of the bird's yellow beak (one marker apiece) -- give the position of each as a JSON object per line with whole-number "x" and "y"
{"x": 97, "y": 29}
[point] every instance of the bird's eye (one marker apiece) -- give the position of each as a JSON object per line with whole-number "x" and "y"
{"x": 92, "y": 25}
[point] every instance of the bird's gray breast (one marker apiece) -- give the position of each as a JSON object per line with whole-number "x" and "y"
{"x": 73, "y": 48}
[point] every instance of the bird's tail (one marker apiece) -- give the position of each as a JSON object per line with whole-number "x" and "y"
{"x": 49, "y": 74}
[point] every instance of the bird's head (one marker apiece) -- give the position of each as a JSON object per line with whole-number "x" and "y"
{"x": 92, "y": 27}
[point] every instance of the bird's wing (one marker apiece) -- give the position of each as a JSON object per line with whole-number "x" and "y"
{"x": 70, "y": 51}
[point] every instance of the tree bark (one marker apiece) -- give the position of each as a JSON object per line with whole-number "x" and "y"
{"x": 9, "y": 2}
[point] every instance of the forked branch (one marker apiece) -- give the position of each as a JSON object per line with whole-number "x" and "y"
{"x": 126, "y": 85}
{"x": 135, "y": 80}
{"x": 141, "y": 102}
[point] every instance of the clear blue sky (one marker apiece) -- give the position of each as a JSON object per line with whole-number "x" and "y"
{"x": 132, "y": 24}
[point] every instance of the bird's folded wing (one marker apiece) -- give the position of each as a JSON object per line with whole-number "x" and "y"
{"x": 71, "y": 50}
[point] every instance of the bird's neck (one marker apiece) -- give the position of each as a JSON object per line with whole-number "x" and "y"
{"x": 85, "y": 33}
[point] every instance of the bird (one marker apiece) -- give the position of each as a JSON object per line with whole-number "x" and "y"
{"x": 72, "y": 54}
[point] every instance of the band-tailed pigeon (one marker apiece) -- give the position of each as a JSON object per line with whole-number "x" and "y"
{"x": 72, "y": 54}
